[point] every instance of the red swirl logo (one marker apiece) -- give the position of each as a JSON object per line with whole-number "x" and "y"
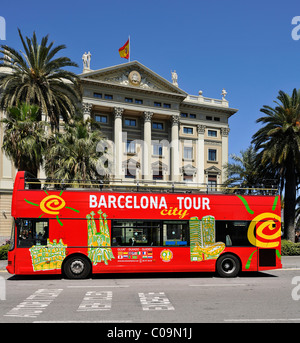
{"x": 52, "y": 204}
{"x": 265, "y": 230}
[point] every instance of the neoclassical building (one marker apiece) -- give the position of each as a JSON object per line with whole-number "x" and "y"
{"x": 156, "y": 132}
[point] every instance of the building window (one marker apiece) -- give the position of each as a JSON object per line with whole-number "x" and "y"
{"x": 101, "y": 119}
{"x": 212, "y": 133}
{"x": 130, "y": 147}
{"x": 209, "y": 118}
{"x": 187, "y": 177}
{"x": 139, "y": 102}
{"x": 184, "y": 115}
{"x": 157, "y": 126}
{"x": 188, "y": 130}
{"x": 193, "y": 116}
{"x": 158, "y": 174}
{"x": 130, "y": 173}
{"x": 216, "y": 119}
{"x": 212, "y": 182}
{"x": 157, "y": 104}
{"x": 157, "y": 149}
{"x": 98, "y": 95}
{"x": 108, "y": 97}
{"x": 130, "y": 122}
{"x": 128, "y": 100}
{"x": 188, "y": 153}
{"x": 212, "y": 154}
{"x": 167, "y": 105}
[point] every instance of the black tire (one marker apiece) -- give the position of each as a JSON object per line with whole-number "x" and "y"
{"x": 228, "y": 265}
{"x": 77, "y": 267}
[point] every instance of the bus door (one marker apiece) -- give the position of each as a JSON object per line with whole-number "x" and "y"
{"x": 176, "y": 244}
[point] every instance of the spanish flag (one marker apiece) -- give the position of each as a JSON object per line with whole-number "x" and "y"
{"x": 124, "y": 51}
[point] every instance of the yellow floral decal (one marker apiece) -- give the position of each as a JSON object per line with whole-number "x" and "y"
{"x": 52, "y": 204}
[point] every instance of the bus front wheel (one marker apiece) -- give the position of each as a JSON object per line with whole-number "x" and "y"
{"x": 228, "y": 265}
{"x": 77, "y": 267}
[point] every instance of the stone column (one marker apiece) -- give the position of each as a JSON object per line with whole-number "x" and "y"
{"x": 147, "y": 148}
{"x": 87, "y": 109}
{"x": 175, "y": 149}
{"x": 200, "y": 154}
{"x": 224, "y": 133}
{"x": 117, "y": 158}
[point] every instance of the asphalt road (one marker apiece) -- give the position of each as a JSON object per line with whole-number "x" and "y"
{"x": 272, "y": 296}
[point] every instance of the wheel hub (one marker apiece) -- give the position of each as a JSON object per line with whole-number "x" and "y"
{"x": 77, "y": 267}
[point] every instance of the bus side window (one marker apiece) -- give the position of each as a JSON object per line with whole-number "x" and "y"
{"x": 135, "y": 233}
{"x": 32, "y": 232}
{"x": 176, "y": 233}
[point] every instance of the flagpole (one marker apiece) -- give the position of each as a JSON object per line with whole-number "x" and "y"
{"x": 129, "y": 48}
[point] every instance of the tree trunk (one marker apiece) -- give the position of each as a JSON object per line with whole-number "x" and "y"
{"x": 290, "y": 201}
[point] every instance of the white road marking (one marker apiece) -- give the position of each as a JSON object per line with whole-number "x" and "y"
{"x": 220, "y": 285}
{"x": 263, "y": 320}
{"x": 83, "y": 321}
{"x": 35, "y": 304}
{"x": 155, "y": 301}
{"x": 96, "y": 301}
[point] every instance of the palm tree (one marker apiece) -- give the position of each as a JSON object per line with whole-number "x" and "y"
{"x": 74, "y": 154}
{"x": 24, "y": 137}
{"x": 246, "y": 172}
{"x": 242, "y": 173}
{"x": 36, "y": 77}
{"x": 279, "y": 144}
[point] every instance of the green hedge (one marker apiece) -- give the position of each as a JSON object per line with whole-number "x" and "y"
{"x": 3, "y": 251}
{"x": 289, "y": 248}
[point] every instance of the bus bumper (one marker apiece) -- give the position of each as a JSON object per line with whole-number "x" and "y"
{"x": 11, "y": 263}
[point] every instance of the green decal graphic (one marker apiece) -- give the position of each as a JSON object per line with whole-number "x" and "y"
{"x": 48, "y": 257}
{"x": 250, "y": 259}
{"x": 275, "y": 203}
{"x": 246, "y": 204}
{"x": 99, "y": 242}
{"x": 278, "y": 254}
{"x": 203, "y": 246}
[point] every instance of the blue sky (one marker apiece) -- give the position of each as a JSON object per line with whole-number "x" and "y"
{"x": 245, "y": 47}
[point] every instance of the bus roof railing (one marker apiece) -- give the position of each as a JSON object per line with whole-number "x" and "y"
{"x": 135, "y": 185}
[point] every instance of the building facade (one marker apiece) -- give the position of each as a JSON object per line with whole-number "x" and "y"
{"x": 156, "y": 132}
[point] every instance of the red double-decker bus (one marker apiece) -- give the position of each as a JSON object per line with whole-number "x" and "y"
{"x": 97, "y": 230}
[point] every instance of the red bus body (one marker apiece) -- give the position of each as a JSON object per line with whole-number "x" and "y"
{"x": 141, "y": 232}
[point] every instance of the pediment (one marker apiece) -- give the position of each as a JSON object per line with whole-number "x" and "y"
{"x": 132, "y": 74}
{"x": 213, "y": 170}
{"x": 158, "y": 165}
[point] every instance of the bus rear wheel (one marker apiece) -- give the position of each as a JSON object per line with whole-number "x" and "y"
{"x": 228, "y": 265}
{"x": 77, "y": 267}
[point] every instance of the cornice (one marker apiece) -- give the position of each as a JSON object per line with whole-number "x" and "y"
{"x": 130, "y": 88}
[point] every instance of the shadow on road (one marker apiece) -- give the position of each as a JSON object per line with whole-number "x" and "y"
{"x": 139, "y": 276}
